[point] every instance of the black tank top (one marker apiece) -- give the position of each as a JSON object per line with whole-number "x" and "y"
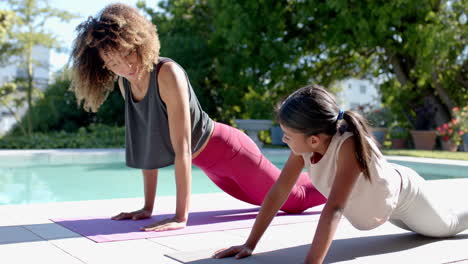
{"x": 147, "y": 139}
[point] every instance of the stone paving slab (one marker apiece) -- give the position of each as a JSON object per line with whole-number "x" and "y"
{"x": 27, "y": 236}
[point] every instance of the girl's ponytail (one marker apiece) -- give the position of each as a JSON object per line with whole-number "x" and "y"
{"x": 358, "y": 126}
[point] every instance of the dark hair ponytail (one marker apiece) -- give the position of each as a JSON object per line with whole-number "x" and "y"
{"x": 357, "y": 124}
{"x": 313, "y": 110}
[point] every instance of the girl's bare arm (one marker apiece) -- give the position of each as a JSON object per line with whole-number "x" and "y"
{"x": 271, "y": 204}
{"x": 347, "y": 173}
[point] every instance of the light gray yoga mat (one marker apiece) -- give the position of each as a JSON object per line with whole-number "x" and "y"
{"x": 386, "y": 248}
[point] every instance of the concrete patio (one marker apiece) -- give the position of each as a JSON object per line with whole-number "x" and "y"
{"x": 28, "y": 236}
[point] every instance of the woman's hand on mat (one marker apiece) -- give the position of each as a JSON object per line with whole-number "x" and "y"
{"x": 166, "y": 225}
{"x": 238, "y": 252}
{"x": 136, "y": 215}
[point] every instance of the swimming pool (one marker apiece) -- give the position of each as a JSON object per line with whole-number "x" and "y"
{"x": 77, "y": 175}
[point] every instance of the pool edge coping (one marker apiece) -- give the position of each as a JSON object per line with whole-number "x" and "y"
{"x": 7, "y": 152}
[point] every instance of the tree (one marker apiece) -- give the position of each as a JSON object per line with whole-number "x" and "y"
{"x": 9, "y": 102}
{"x": 185, "y": 30}
{"x": 246, "y": 55}
{"x": 236, "y": 53}
{"x": 29, "y": 31}
{"x": 255, "y": 52}
{"x": 6, "y": 23}
{"x": 263, "y": 53}
{"x": 57, "y": 109}
{"x": 12, "y": 102}
{"x": 417, "y": 47}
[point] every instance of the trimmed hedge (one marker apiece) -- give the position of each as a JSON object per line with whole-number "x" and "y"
{"x": 94, "y": 136}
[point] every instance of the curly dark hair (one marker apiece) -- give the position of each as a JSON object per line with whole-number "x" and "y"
{"x": 116, "y": 27}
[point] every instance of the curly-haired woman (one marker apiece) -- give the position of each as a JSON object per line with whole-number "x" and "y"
{"x": 164, "y": 121}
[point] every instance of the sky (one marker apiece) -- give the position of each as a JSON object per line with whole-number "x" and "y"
{"x": 65, "y": 31}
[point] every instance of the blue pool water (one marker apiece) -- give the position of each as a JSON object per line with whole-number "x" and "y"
{"x": 39, "y": 177}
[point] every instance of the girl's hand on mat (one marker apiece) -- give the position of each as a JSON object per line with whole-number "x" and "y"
{"x": 165, "y": 225}
{"x": 238, "y": 252}
{"x": 136, "y": 215}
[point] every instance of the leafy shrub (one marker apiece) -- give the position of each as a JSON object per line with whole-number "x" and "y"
{"x": 58, "y": 111}
{"x": 94, "y": 136}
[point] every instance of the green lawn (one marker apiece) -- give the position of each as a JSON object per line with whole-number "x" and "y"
{"x": 435, "y": 154}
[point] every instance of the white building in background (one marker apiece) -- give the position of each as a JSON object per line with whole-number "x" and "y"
{"x": 355, "y": 92}
{"x": 13, "y": 69}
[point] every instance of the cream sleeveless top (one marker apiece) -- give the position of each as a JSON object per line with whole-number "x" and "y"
{"x": 370, "y": 203}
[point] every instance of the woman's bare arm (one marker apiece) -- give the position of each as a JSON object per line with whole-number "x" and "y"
{"x": 173, "y": 88}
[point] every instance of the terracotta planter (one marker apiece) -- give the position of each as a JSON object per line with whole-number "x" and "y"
{"x": 398, "y": 143}
{"x": 449, "y": 146}
{"x": 424, "y": 139}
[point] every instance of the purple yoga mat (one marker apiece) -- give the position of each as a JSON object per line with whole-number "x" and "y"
{"x": 103, "y": 229}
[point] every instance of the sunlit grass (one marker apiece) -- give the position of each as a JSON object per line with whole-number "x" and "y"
{"x": 435, "y": 154}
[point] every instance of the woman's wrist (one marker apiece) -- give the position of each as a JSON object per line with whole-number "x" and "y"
{"x": 181, "y": 219}
{"x": 148, "y": 208}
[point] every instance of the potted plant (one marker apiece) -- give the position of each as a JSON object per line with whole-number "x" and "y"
{"x": 423, "y": 135}
{"x": 398, "y": 137}
{"x": 452, "y": 132}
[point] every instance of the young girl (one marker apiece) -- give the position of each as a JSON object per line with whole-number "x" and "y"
{"x": 164, "y": 121}
{"x": 347, "y": 167}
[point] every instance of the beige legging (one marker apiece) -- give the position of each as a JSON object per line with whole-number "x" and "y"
{"x": 417, "y": 211}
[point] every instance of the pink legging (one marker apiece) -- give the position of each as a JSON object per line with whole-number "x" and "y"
{"x": 236, "y": 165}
